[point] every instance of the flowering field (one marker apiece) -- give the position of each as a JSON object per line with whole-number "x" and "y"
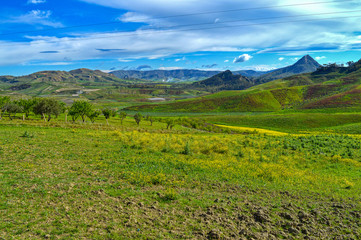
{"x": 144, "y": 182}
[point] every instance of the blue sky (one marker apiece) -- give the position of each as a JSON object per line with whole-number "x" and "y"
{"x": 109, "y": 35}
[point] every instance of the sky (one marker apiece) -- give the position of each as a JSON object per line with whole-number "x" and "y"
{"x": 108, "y": 35}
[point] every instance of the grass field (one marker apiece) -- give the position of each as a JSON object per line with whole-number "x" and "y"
{"x": 93, "y": 181}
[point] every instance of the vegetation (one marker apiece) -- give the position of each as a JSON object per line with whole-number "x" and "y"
{"x": 280, "y": 160}
{"x": 123, "y": 181}
{"x": 47, "y": 106}
{"x": 138, "y": 118}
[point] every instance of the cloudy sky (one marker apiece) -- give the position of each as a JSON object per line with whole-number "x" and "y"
{"x": 109, "y": 35}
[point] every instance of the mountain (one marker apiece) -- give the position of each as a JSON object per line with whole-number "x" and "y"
{"x": 49, "y": 82}
{"x": 305, "y": 65}
{"x": 251, "y": 73}
{"x": 225, "y": 81}
{"x": 165, "y": 75}
{"x": 331, "y": 86}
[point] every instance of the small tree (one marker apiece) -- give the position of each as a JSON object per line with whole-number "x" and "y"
{"x": 122, "y": 116}
{"x": 170, "y": 123}
{"x": 3, "y": 101}
{"x": 93, "y": 115}
{"x": 80, "y": 109}
{"x": 11, "y": 108}
{"x": 150, "y": 119}
{"x": 27, "y": 105}
{"x": 107, "y": 112}
{"x": 47, "y": 106}
{"x": 138, "y": 118}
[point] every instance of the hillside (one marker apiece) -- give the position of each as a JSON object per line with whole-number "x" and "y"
{"x": 329, "y": 87}
{"x": 305, "y": 65}
{"x": 180, "y": 75}
{"x": 225, "y": 81}
{"x": 55, "y": 82}
{"x": 165, "y": 75}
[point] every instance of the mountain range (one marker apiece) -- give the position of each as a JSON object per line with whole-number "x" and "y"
{"x": 305, "y": 65}
{"x": 330, "y": 86}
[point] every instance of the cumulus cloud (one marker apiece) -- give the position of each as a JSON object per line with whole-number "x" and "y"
{"x": 242, "y": 58}
{"x": 226, "y": 61}
{"x": 281, "y": 59}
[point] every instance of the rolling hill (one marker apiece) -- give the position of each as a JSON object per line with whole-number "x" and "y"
{"x": 179, "y": 75}
{"x": 328, "y": 87}
{"x": 225, "y": 81}
{"x": 48, "y": 82}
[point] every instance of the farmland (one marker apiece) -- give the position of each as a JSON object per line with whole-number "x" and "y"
{"x": 82, "y": 180}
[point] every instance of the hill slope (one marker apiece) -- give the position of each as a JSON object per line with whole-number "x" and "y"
{"x": 47, "y": 82}
{"x": 225, "y": 81}
{"x": 305, "y": 65}
{"x": 328, "y": 87}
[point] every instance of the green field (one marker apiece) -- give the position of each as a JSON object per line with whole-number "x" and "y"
{"x": 96, "y": 181}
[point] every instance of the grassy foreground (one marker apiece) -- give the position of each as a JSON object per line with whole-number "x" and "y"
{"x": 71, "y": 181}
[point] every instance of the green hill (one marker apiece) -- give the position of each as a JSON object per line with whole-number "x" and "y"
{"x": 330, "y": 86}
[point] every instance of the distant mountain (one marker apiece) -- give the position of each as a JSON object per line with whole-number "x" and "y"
{"x": 251, "y": 73}
{"x": 305, "y": 65}
{"x": 48, "y": 82}
{"x": 225, "y": 81}
{"x": 81, "y": 75}
{"x": 165, "y": 75}
{"x": 330, "y": 86}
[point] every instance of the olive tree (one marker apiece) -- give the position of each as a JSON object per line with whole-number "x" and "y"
{"x": 27, "y": 105}
{"x": 3, "y": 101}
{"x": 107, "y": 112}
{"x": 138, "y": 117}
{"x": 122, "y": 116}
{"x": 47, "y": 107}
{"x": 11, "y": 108}
{"x": 81, "y": 109}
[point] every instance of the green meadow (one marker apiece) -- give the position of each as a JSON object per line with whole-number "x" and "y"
{"x": 63, "y": 180}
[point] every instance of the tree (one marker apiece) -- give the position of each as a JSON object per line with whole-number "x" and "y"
{"x": 122, "y": 116}
{"x": 150, "y": 119}
{"x": 3, "y": 101}
{"x": 11, "y": 108}
{"x": 107, "y": 112}
{"x": 27, "y": 105}
{"x": 81, "y": 109}
{"x": 170, "y": 123}
{"x": 138, "y": 118}
{"x": 47, "y": 106}
{"x": 93, "y": 115}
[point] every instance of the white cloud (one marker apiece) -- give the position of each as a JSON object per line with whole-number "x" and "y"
{"x": 320, "y": 58}
{"x": 170, "y": 68}
{"x": 33, "y": 17}
{"x": 125, "y": 60}
{"x": 262, "y": 68}
{"x": 226, "y": 61}
{"x": 180, "y": 59}
{"x": 289, "y": 39}
{"x": 242, "y": 58}
{"x": 281, "y": 59}
{"x": 36, "y": 1}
